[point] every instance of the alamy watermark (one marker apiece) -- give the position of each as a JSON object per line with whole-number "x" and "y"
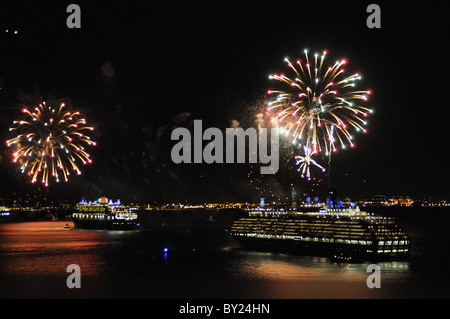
{"x": 373, "y": 21}
{"x": 234, "y": 140}
{"x": 73, "y": 21}
{"x": 374, "y": 279}
{"x": 74, "y": 279}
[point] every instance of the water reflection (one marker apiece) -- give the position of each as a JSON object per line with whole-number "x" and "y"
{"x": 291, "y": 267}
{"x": 169, "y": 264}
{"x": 48, "y": 247}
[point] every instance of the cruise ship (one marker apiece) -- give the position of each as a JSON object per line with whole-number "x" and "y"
{"x": 348, "y": 234}
{"x": 104, "y": 214}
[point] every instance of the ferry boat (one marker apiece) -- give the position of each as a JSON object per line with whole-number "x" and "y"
{"x": 341, "y": 234}
{"x": 105, "y": 214}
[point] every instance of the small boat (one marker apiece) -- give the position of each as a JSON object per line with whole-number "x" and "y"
{"x": 66, "y": 226}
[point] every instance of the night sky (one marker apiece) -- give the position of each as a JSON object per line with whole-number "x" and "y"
{"x": 138, "y": 69}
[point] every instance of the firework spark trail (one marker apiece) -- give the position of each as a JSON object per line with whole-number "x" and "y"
{"x": 50, "y": 140}
{"x": 306, "y": 161}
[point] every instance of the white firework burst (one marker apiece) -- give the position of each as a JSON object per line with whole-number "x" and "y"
{"x": 306, "y": 161}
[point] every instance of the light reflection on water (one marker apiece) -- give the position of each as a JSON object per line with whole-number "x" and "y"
{"x": 290, "y": 267}
{"x": 138, "y": 259}
{"x": 48, "y": 248}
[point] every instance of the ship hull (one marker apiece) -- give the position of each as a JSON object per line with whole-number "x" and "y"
{"x": 105, "y": 224}
{"x": 336, "y": 252}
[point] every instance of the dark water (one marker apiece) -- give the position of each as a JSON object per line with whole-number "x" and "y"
{"x": 203, "y": 261}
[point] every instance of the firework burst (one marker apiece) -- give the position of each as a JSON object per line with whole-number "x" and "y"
{"x": 50, "y": 141}
{"x": 320, "y": 104}
{"x": 306, "y": 161}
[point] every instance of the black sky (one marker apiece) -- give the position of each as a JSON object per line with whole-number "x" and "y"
{"x": 212, "y": 60}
